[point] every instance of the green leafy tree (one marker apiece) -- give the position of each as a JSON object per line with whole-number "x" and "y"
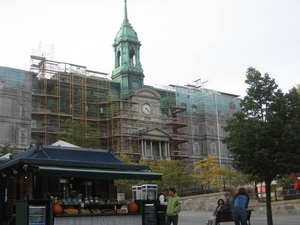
{"x": 298, "y": 88}
{"x": 78, "y": 134}
{"x": 7, "y": 148}
{"x": 235, "y": 178}
{"x": 125, "y": 186}
{"x": 173, "y": 175}
{"x": 264, "y": 137}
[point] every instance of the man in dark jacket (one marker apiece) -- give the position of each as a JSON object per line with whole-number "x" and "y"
{"x": 161, "y": 207}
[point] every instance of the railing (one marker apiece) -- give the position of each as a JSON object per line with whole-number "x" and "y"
{"x": 276, "y": 195}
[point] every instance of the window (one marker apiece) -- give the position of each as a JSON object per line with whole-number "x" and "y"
{"x": 213, "y": 148}
{"x": 23, "y": 110}
{"x": 33, "y": 123}
{"x": 196, "y": 148}
{"x": 23, "y": 136}
{"x": 129, "y": 129}
{"x": 132, "y": 57}
{"x": 195, "y": 129}
{"x": 118, "y": 59}
{"x": 212, "y": 129}
{"x": 194, "y": 108}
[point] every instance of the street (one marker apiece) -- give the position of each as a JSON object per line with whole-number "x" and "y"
{"x": 200, "y": 218}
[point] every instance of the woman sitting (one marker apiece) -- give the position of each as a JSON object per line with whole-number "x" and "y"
{"x": 212, "y": 220}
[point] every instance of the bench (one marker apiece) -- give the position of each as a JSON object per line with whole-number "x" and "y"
{"x": 225, "y": 216}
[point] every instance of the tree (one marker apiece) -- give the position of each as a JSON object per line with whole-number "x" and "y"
{"x": 125, "y": 186}
{"x": 298, "y": 88}
{"x": 235, "y": 178}
{"x": 208, "y": 172}
{"x": 78, "y": 134}
{"x": 173, "y": 173}
{"x": 6, "y": 148}
{"x": 264, "y": 137}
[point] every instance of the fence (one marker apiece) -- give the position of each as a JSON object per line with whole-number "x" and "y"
{"x": 278, "y": 194}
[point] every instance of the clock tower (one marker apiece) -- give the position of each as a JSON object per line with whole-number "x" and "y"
{"x": 128, "y": 69}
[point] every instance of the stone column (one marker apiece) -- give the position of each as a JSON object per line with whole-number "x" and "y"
{"x": 159, "y": 146}
{"x": 151, "y": 152}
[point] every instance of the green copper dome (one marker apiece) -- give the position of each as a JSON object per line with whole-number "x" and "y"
{"x": 126, "y": 32}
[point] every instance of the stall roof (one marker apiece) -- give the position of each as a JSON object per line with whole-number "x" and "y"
{"x": 81, "y": 172}
{"x": 76, "y": 162}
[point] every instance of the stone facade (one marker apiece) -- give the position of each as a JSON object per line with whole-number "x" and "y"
{"x": 208, "y": 202}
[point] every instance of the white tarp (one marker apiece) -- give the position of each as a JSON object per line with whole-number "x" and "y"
{"x": 64, "y": 144}
{"x": 6, "y": 156}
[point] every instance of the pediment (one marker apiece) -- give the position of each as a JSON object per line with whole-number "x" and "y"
{"x": 148, "y": 93}
{"x": 154, "y": 132}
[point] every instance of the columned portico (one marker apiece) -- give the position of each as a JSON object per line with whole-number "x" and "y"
{"x": 155, "y": 144}
{"x": 155, "y": 149}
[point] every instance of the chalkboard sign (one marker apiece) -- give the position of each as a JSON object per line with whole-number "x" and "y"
{"x": 10, "y": 189}
{"x": 113, "y": 192}
{"x": 102, "y": 190}
{"x": 9, "y": 207}
{"x": 53, "y": 186}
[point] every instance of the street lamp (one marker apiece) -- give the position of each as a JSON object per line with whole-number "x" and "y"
{"x": 218, "y": 130}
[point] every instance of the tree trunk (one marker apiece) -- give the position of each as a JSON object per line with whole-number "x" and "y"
{"x": 268, "y": 203}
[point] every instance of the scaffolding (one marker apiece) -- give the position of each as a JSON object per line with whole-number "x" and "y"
{"x": 207, "y": 111}
{"x": 192, "y": 115}
{"x": 62, "y": 91}
{"x": 176, "y": 125}
{"x": 123, "y": 128}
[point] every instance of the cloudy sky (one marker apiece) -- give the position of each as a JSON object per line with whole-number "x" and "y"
{"x": 182, "y": 40}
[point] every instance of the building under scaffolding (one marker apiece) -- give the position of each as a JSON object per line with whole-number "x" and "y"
{"x": 123, "y": 114}
{"x": 207, "y": 112}
{"x": 62, "y": 91}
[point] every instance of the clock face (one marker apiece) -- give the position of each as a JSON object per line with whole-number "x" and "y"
{"x": 146, "y": 109}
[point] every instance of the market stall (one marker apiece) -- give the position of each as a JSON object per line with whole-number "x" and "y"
{"x": 80, "y": 181}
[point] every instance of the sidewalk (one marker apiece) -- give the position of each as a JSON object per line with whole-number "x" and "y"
{"x": 200, "y": 218}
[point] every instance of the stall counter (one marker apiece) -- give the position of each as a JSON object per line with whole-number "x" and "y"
{"x": 103, "y": 219}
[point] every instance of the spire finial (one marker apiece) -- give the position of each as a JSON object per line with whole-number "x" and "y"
{"x": 125, "y": 10}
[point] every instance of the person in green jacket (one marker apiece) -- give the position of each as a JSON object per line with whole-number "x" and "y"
{"x": 173, "y": 208}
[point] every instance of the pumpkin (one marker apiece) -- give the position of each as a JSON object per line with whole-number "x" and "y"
{"x": 57, "y": 209}
{"x": 133, "y": 207}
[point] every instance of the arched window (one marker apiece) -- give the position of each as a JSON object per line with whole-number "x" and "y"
{"x": 118, "y": 59}
{"x": 132, "y": 57}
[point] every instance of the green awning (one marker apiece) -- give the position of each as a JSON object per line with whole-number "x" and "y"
{"x": 93, "y": 173}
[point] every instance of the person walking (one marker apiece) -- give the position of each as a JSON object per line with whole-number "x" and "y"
{"x": 173, "y": 207}
{"x": 297, "y": 188}
{"x": 240, "y": 204}
{"x": 161, "y": 207}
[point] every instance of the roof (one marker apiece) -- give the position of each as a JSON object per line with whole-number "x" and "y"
{"x": 76, "y": 162}
{"x": 126, "y": 32}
